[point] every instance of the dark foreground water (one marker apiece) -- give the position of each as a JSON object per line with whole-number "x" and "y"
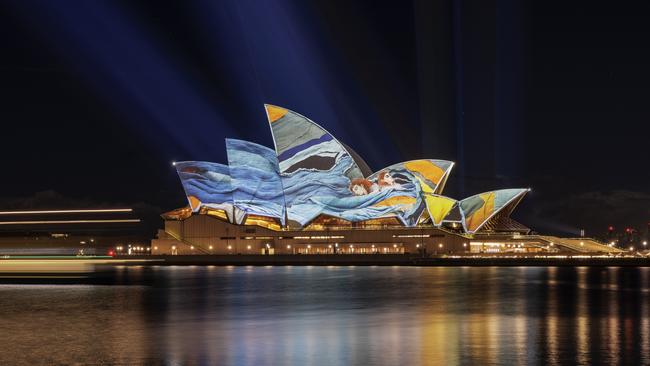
{"x": 333, "y": 315}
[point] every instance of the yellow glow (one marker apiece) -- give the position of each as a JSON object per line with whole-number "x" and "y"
{"x": 262, "y": 221}
{"x": 216, "y": 213}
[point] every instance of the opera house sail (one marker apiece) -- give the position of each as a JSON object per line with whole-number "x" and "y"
{"x": 310, "y": 182}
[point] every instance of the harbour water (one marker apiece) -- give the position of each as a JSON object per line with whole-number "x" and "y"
{"x": 295, "y": 315}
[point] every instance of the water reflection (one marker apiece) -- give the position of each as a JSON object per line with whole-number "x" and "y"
{"x": 333, "y": 315}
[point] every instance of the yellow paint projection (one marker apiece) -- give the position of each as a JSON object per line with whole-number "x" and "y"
{"x": 426, "y": 169}
{"x": 438, "y": 207}
{"x": 396, "y": 200}
{"x": 194, "y": 202}
{"x": 274, "y": 113}
{"x": 479, "y": 216}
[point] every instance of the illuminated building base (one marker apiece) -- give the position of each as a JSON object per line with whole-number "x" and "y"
{"x": 206, "y": 234}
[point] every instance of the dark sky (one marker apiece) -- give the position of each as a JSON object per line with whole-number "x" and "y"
{"x": 99, "y": 97}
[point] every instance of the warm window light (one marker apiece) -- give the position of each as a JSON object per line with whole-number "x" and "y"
{"x": 229, "y": 247}
{"x": 288, "y": 246}
{"x": 464, "y": 244}
{"x": 248, "y": 247}
{"x": 645, "y": 243}
{"x": 191, "y": 247}
{"x": 154, "y": 248}
{"x": 417, "y": 245}
{"x": 440, "y": 245}
{"x": 330, "y": 246}
{"x": 210, "y": 247}
{"x": 308, "y": 246}
{"x": 582, "y": 243}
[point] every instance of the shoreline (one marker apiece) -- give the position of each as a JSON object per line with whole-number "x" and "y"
{"x": 107, "y": 271}
{"x": 389, "y": 260}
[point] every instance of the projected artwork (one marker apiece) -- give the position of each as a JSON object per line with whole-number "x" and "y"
{"x": 310, "y": 173}
{"x": 303, "y": 145}
{"x": 255, "y": 179}
{"x": 478, "y": 209}
{"x": 206, "y": 185}
{"x": 440, "y": 208}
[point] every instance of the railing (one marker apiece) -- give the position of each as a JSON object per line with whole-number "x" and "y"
{"x": 187, "y": 242}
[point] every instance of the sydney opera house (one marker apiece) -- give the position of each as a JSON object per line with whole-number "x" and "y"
{"x": 312, "y": 194}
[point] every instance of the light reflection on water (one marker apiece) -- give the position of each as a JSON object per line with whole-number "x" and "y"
{"x": 333, "y": 315}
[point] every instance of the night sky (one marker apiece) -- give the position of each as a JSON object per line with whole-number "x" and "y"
{"x": 98, "y": 98}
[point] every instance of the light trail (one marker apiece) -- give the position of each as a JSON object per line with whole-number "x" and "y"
{"x": 43, "y": 212}
{"x": 40, "y": 222}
